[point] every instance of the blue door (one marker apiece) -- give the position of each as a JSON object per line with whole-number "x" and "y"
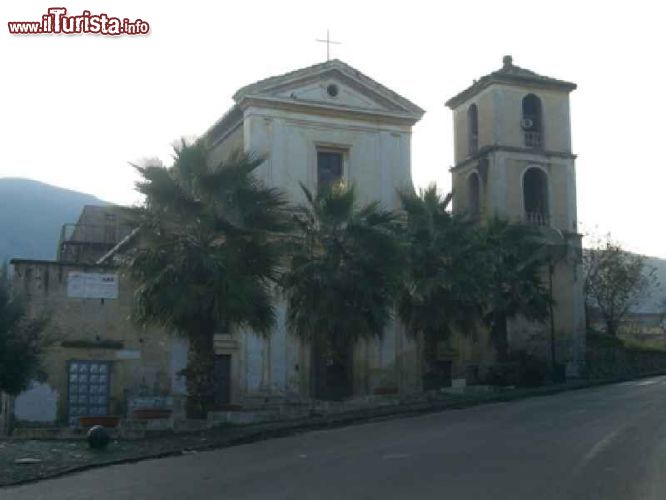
{"x": 88, "y": 392}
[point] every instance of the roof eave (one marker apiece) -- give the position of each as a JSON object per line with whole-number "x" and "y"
{"x": 329, "y": 66}
{"x": 482, "y": 84}
{"x": 409, "y": 118}
{"x": 229, "y": 121}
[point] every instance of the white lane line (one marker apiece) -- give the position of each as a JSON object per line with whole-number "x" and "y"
{"x": 647, "y": 382}
{"x": 599, "y": 447}
{"x": 394, "y": 456}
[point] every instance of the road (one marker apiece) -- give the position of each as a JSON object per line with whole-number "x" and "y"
{"x": 603, "y": 443}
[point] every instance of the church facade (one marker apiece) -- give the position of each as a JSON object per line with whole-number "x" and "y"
{"x": 316, "y": 125}
{"x": 329, "y": 122}
{"x": 513, "y": 161}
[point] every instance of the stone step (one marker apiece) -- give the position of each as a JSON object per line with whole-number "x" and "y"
{"x": 36, "y": 432}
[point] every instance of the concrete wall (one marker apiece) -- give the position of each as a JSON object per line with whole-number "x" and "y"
{"x": 376, "y": 156}
{"x": 39, "y": 403}
{"x": 608, "y": 358}
{"x": 92, "y": 329}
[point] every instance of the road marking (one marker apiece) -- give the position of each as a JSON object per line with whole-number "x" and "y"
{"x": 394, "y": 456}
{"x": 648, "y": 382}
{"x": 599, "y": 447}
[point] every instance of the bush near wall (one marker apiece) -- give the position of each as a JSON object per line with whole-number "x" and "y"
{"x": 520, "y": 370}
{"x": 608, "y": 357}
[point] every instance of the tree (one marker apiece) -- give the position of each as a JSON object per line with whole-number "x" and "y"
{"x": 615, "y": 281}
{"x": 341, "y": 279}
{"x": 206, "y": 255}
{"x": 443, "y": 288}
{"x": 514, "y": 263}
{"x": 22, "y": 340}
{"x": 662, "y": 315}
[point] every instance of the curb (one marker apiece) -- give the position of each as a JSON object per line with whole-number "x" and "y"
{"x": 356, "y": 417}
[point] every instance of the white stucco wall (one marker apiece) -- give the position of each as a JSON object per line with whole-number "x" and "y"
{"x": 375, "y": 140}
{"x": 377, "y": 156}
{"x": 178, "y": 362}
{"x": 39, "y": 403}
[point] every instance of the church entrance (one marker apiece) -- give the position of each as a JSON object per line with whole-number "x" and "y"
{"x": 222, "y": 380}
{"x": 332, "y": 371}
{"x": 437, "y": 365}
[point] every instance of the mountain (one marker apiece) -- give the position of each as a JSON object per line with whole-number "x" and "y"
{"x": 32, "y": 214}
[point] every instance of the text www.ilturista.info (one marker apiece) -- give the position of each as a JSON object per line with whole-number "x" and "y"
{"x": 56, "y": 21}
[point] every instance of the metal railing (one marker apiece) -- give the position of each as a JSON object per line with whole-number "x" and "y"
{"x": 533, "y": 139}
{"x": 83, "y": 242}
{"x": 91, "y": 234}
{"x": 537, "y": 219}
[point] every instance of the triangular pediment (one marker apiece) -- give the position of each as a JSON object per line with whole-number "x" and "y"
{"x": 333, "y": 84}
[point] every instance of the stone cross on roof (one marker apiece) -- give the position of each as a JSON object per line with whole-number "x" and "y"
{"x": 328, "y": 43}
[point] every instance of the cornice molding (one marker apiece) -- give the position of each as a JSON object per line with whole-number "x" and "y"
{"x": 322, "y": 109}
{"x": 511, "y": 149}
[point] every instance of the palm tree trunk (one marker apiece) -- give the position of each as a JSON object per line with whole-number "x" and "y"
{"x": 200, "y": 359}
{"x": 430, "y": 380}
{"x": 499, "y": 336}
{"x": 430, "y": 350}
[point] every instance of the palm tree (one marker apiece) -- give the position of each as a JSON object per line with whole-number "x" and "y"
{"x": 206, "y": 255}
{"x": 341, "y": 280}
{"x": 444, "y": 285}
{"x": 514, "y": 263}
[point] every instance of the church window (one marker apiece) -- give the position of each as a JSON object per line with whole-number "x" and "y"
{"x": 332, "y": 90}
{"x": 531, "y": 122}
{"x": 535, "y": 196}
{"x": 473, "y": 128}
{"x": 473, "y": 192}
{"x": 329, "y": 168}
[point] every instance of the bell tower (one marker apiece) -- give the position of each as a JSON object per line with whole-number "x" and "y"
{"x": 513, "y": 160}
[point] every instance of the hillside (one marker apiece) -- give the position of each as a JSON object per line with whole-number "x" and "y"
{"x": 659, "y": 295}
{"x": 31, "y": 215}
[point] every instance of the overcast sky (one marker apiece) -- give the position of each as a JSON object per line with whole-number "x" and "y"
{"x": 74, "y": 110}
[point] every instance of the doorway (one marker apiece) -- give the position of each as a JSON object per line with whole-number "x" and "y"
{"x": 88, "y": 389}
{"x": 332, "y": 371}
{"x": 222, "y": 380}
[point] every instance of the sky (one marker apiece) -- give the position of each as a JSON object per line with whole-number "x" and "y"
{"x": 76, "y": 110}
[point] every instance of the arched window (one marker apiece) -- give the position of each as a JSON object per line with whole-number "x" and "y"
{"x": 473, "y": 128}
{"x": 473, "y": 194}
{"x": 535, "y": 196}
{"x": 532, "y": 122}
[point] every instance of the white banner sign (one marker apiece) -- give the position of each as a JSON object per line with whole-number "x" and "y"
{"x": 92, "y": 285}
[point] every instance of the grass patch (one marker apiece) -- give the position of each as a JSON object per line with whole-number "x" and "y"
{"x": 628, "y": 342}
{"x": 657, "y": 345}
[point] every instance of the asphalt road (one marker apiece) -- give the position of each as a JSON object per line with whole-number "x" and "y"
{"x": 603, "y": 443}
